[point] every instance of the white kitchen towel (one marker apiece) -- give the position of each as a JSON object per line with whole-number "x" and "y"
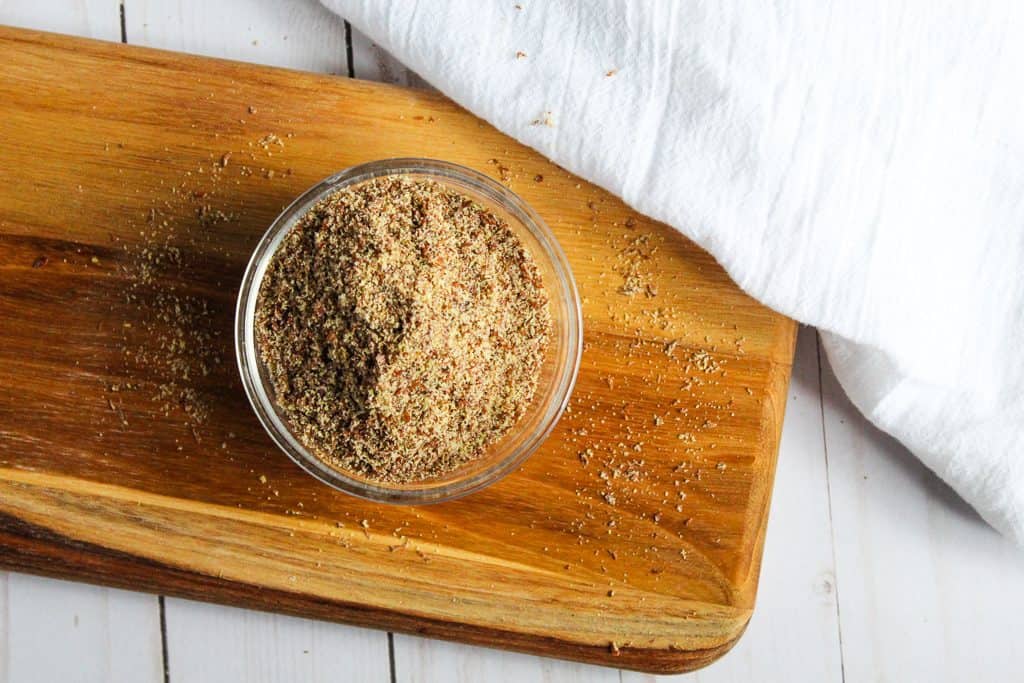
{"x": 855, "y": 164}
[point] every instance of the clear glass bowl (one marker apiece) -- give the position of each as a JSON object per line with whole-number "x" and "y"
{"x": 557, "y": 375}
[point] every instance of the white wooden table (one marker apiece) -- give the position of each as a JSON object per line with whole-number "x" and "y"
{"x": 873, "y": 570}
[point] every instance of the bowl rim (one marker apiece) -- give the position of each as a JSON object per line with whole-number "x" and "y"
{"x": 564, "y": 290}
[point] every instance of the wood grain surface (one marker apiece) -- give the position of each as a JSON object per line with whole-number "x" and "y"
{"x": 133, "y": 184}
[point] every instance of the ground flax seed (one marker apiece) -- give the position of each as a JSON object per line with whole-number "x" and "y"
{"x": 403, "y": 326}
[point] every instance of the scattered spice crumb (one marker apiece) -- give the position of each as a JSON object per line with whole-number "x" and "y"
{"x": 270, "y": 139}
{"x": 630, "y": 263}
{"x": 704, "y": 362}
{"x": 546, "y": 120}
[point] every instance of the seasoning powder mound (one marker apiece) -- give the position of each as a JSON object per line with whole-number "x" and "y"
{"x": 403, "y": 326}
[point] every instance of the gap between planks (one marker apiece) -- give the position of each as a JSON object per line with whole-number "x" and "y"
{"x": 828, "y": 493}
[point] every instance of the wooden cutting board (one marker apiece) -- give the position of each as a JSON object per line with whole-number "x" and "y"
{"x": 133, "y": 185}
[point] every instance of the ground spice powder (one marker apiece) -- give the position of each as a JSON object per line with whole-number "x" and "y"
{"x": 403, "y": 326}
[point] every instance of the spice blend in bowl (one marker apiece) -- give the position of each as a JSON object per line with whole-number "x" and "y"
{"x": 403, "y": 327}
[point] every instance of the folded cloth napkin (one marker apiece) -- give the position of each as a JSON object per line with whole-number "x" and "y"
{"x": 857, "y": 165}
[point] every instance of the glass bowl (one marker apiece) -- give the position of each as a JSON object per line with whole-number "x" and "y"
{"x": 557, "y": 374}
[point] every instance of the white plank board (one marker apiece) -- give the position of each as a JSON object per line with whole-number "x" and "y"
{"x": 299, "y": 34}
{"x": 59, "y": 631}
{"x": 214, "y": 643}
{"x": 927, "y": 591}
{"x": 420, "y": 660}
{"x": 92, "y": 18}
{"x": 54, "y": 630}
{"x": 206, "y": 642}
{"x": 794, "y": 634}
